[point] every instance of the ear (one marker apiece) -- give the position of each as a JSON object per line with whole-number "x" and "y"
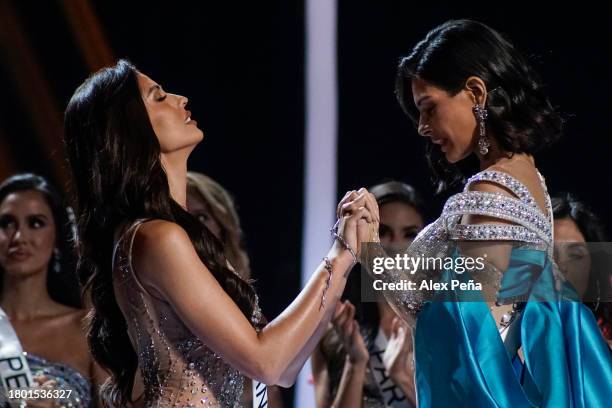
{"x": 477, "y": 89}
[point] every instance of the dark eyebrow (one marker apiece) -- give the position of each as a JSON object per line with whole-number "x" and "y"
{"x": 421, "y": 100}
{"x": 152, "y": 88}
{"x": 43, "y": 216}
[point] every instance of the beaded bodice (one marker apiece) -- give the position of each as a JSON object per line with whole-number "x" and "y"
{"x": 67, "y": 378}
{"x": 524, "y": 225}
{"x": 177, "y": 369}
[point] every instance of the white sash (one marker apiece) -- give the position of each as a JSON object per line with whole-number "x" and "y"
{"x": 393, "y": 396}
{"x": 14, "y": 370}
{"x": 260, "y": 395}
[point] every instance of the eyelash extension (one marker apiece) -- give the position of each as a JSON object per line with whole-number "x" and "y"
{"x": 161, "y": 98}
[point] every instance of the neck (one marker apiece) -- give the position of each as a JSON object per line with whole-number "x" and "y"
{"x": 26, "y": 298}
{"x": 496, "y": 155}
{"x": 175, "y": 166}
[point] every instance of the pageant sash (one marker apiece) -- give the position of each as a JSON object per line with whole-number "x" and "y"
{"x": 393, "y": 396}
{"x": 260, "y": 395}
{"x": 14, "y": 370}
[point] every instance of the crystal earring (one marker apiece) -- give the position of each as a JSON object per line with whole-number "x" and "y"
{"x": 483, "y": 142}
{"x": 56, "y": 260}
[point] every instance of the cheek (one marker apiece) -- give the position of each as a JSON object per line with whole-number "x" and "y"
{"x": 4, "y": 240}
{"x": 460, "y": 124}
{"x": 385, "y": 239}
{"x": 43, "y": 241}
{"x": 3, "y": 247}
{"x": 161, "y": 127}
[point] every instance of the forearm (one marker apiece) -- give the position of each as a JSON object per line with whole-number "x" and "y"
{"x": 287, "y": 336}
{"x": 406, "y": 384}
{"x": 350, "y": 390}
{"x": 289, "y": 376}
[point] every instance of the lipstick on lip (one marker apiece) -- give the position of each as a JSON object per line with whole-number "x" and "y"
{"x": 18, "y": 254}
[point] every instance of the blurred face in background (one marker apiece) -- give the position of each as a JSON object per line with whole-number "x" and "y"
{"x": 399, "y": 223}
{"x": 572, "y": 254}
{"x": 200, "y": 209}
{"x": 27, "y": 234}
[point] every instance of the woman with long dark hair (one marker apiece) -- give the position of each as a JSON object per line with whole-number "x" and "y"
{"x": 495, "y": 323}
{"x": 173, "y": 322}
{"x": 39, "y": 289}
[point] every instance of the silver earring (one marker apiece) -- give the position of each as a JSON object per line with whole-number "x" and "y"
{"x": 57, "y": 267}
{"x": 483, "y": 142}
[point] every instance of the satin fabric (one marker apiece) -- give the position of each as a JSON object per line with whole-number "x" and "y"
{"x": 566, "y": 360}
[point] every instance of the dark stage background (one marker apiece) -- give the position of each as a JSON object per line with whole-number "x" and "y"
{"x": 242, "y": 66}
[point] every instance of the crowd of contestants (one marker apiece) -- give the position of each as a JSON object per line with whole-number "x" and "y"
{"x": 144, "y": 296}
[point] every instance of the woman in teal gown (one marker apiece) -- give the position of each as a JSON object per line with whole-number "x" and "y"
{"x": 523, "y": 338}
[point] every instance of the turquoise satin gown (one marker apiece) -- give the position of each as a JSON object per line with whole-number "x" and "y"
{"x": 460, "y": 358}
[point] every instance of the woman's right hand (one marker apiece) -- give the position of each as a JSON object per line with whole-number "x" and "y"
{"x": 358, "y": 217}
{"x": 347, "y": 329}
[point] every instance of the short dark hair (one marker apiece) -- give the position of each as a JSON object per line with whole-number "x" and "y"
{"x": 520, "y": 114}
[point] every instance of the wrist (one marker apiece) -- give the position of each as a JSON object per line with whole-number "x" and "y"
{"x": 357, "y": 363}
{"x": 341, "y": 258}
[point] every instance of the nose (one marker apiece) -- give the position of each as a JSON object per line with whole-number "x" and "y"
{"x": 424, "y": 129}
{"x": 183, "y": 101}
{"x": 18, "y": 236}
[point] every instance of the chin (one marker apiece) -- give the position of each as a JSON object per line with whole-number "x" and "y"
{"x": 22, "y": 270}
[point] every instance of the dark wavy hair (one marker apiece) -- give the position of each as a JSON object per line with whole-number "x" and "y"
{"x": 590, "y": 225}
{"x": 62, "y": 284}
{"x": 521, "y": 117}
{"x": 117, "y": 175}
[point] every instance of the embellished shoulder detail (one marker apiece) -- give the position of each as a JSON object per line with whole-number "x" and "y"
{"x": 506, "y": 180}
{"x": 531, "y": 226}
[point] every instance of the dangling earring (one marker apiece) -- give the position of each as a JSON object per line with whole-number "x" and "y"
{"x": 483, "y": 142}
{"x": 57, "y": 267}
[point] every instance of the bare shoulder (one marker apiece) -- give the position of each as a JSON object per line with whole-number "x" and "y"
{"x": 160, "y": 246}
{"x": 159, "y": 233}
{"x": 158, "y": 239}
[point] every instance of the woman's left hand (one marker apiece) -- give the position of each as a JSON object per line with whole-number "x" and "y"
{"x": 398, "y": 357}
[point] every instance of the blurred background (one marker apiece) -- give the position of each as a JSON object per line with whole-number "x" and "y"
{"x": 250, "y": 71}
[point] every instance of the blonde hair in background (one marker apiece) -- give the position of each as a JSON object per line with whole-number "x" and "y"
{"x": 223, "y": 210}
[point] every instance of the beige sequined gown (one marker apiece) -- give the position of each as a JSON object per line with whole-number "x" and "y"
{"x": 178, "y": 370}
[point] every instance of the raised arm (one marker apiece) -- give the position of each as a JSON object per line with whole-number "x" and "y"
{"x": 166, "y": 262}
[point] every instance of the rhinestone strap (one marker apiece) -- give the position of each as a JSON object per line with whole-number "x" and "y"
{"x": 496, "y": 205}
{"x": 507, "y": 181}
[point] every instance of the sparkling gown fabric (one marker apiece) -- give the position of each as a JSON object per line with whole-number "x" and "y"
{"x": 67, "y": 378}
{"x": 460, "y": 358}
{"x": 178, "y": 370}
